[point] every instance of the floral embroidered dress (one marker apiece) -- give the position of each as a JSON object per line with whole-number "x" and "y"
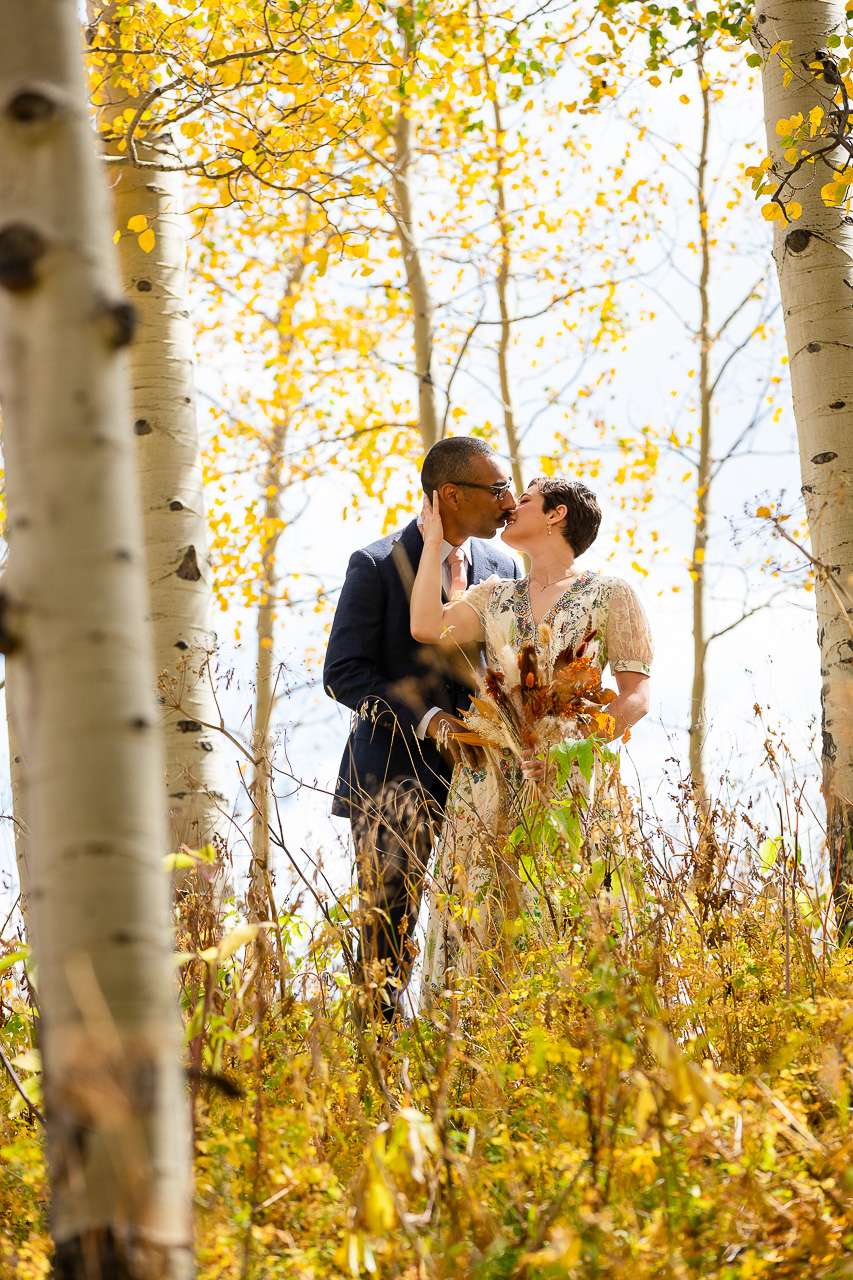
{"x": 482, "y": 805}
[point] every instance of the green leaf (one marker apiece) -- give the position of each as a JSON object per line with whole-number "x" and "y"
{"x": 754, "y": 60}
{"x": 172, "y": 861}
{"x": 30, "y": 1060}
{"x": 810, "y": 912}
{"x": 768, "y": 853}
{"x": 13, "y": 957}
{"x": 585, "y": 757}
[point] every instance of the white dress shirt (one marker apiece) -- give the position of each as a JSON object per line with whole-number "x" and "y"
{"x": 446, "y": 548}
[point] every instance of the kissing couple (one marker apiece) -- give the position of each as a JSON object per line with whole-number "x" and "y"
{"x": 419, "y": 613}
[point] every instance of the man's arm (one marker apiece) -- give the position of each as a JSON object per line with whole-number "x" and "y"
{"x": 350, "y": 673}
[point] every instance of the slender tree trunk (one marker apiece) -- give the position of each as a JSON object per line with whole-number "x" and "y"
{"x": 703, "y": 475}
{"x": 419, "y": 292}
{"x": 75, "y": 633}
{"x": 504, "y": 277}
{"x": 170, "y": 470}
{"x": 814, "y": 259}
{"x": 260, "y": 885}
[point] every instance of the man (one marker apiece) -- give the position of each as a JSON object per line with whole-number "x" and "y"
{"x": 397, "y": 764}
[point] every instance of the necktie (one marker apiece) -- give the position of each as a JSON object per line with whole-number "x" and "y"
{"x": 458, "y": 572}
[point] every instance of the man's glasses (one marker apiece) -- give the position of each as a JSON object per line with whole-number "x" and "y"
{"x": 498, "y": 490}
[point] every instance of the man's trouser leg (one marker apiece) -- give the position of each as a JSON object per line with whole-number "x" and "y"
{"x": 393, "y": 842}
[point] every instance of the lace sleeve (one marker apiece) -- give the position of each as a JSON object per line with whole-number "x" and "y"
{"x": 628, "y": 637}
{"x": 479, "y": 595}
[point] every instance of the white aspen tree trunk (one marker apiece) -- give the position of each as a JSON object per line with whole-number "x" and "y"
{"x": 170, "y": 472}
{"x": 418, "y": 286}
{"x": 814, "y": 260}
{"x": 698, "y": 726}
{"x": 76, "y": 636}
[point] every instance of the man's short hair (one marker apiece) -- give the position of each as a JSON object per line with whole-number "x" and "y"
{"x": 450, "y": 460}
{"x": 583, "y": 514}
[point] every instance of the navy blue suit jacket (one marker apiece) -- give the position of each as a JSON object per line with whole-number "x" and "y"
{"x": 390, "y": 680}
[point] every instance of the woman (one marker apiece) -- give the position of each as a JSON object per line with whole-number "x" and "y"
{"x": 554, "y": 522}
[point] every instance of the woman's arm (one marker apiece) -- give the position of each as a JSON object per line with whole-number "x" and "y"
{"x": 431, "y": 618}
{"x": 633, "y": 701}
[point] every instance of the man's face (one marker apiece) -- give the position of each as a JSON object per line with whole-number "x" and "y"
{"x": 476, "y": 511}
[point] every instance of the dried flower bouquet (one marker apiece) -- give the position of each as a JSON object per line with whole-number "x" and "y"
{"x": 519, "y": 708}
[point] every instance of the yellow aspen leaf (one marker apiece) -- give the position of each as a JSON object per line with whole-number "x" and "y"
{"x": 654, "y": 81}
{"x": 116, "y": 237}
{"x": 833, "y": 192}
{"x": 231, "y": 943}
{"x": 764, "y": 512}
{"x": 147, "y": 241}
{"x": 639, "y": 568}
{"x": 137, "y": 223}
{"x": 772, "y": 212}
{"x": 794, "y": 209}
{"x": 683, "y": 98}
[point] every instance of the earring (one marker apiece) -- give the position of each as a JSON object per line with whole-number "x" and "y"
{"x": 549, "y": 530}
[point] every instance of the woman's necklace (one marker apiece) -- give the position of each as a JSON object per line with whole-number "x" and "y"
{"x": 543, "y": 586}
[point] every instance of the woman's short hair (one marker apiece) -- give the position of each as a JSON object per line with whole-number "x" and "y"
{"x": 450, "y": 460}
{"x": 583, "y": 514}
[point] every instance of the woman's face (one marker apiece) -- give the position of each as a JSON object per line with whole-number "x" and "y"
{"x": 528, "y": 523}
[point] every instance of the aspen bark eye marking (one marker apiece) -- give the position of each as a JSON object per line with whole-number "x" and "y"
{"x": 837, "y": 404}
{"x": 142, "y": 427}
{"x": 188, "y": 568}
{"x": 799, "y": 240}
{"x": 21, "y": 247}
{"x": 820, "y": 458}
{"x": 9, "y": 643}
{"x": 189, "y": 726}
{"x": 176, "y": 505}
{"x": 31, "y": 106}
{"x": 120, "y": 320}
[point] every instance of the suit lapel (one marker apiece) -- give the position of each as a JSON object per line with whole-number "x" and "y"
{"x": 476, "y": 567}
{"x": 406, "y": 552}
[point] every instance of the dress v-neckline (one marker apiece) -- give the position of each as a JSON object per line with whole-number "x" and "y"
{"x": 570, "y": 590}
